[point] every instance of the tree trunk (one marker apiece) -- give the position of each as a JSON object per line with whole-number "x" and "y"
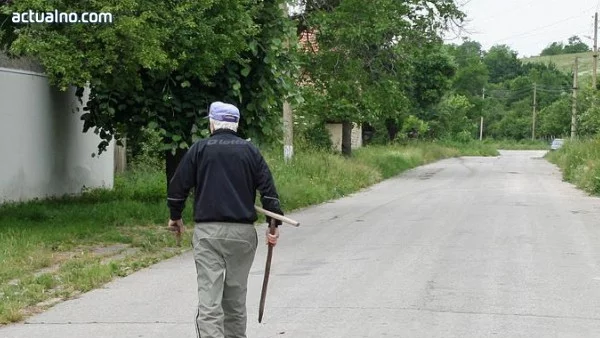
{"x": 172, "y": 163}
{"x": 121, "y": 157}
{"x": 347, "y": 138}
{"x": 392, "y": 129}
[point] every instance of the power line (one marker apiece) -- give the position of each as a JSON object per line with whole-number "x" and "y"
{"x": 518, "y": 8}
{"x": 555, "y": 88}
{"x": 543, "y": 27}
{"x": 555, "y": 91}
{"x": 506, "y": 95}
{"x": 507, "y": 92}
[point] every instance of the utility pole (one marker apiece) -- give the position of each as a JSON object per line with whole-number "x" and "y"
{"x": 288, "y": 116}
{"x": 594, "y": 77}
{"x": 481, "y": 124}
{"x": 574, "y": 113}
{"x": 534, "y": 107}
{"x": 288, "y": 134}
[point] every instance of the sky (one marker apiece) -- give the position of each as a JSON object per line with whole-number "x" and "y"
{"x": 527, "y": 26}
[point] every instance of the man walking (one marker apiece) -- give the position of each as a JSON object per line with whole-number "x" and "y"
{"x": 225, "y": 172}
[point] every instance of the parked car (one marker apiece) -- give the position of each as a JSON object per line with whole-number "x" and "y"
{"x": 557, "y": 143}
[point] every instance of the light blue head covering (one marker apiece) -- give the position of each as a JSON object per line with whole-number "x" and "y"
{"x": 223, "y": 112}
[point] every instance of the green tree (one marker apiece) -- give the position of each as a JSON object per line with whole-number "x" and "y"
{"x": 359, "y": 72}
{"x": 467, "y": 53}
{"x": 471, "y": 80}
{"x": 555, "y": 48}
{"x": 511, "y": 100}
{"x": 160, "y": 64}
{"x": 502, "y": 63}
{"x": 413, "y": 127}
{"x": 588, "y": 106}
{"x": 452, "y": 117}
{"x": 513, "y": 125}
{"x": 555, "y": 119}
{"x": 551, "y": 82}
{"x": 575, "y": 45}
{"x": 433, "y": 69}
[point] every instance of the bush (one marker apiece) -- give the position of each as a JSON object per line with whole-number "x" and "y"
{"x": 379, "y": 135}
{"x": 464, "y": 137}
{"x": 401, "y": 139}
{"x": 144, "y": 151}
{"x": 315, "y": 136}
{"x": 414, "y": 125}
{"x": 452, "y": 115}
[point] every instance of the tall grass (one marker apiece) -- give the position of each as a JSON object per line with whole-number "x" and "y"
{"x": 472, "y": 148}
{"x": 580, "y": 163}
{"x": 518, "y": 145}
{"x": 392, "y": 160}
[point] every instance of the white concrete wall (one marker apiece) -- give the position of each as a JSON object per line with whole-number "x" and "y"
{"x": 335, "y": 132}
{"x": 357, "y": 140}
{"x": 43, "y": 151}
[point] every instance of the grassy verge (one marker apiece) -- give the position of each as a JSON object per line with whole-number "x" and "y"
{"x": 55, "y": 249}
{"x": 580, "y": 163}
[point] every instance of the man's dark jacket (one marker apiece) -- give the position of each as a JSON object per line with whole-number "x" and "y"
{"x": 226, "y": 171}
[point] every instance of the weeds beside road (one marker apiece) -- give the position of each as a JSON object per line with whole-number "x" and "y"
{"x": 580, "y": 163}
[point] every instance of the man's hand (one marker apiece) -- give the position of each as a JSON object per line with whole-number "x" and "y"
{"x": 272, "y": 239}
{"x": 178, "y": 228}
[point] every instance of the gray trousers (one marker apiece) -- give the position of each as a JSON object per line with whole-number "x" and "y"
{"x": 224, "y": 253}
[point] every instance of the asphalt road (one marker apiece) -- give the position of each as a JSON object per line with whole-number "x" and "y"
{"x": 470, "y": 247}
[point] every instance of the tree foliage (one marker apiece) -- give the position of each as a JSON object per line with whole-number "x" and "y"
{"x": 414, "y": 127}
{"x": 574, "y": 45}
{"x": 555, "y": 48}
{"x": 452, "y": 117}
{"x": 508, "y": 85}
{"x": 364, "y": 67}
{"x": 432, "y": 72}
{"x": 472, "y": 74}
{"x": 502, "y": 63}
{"x": 555, "y": 119}
{"x": 160, "y": 64}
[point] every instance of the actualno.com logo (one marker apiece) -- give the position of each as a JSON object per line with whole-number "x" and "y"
{"x": 61, "y": 17}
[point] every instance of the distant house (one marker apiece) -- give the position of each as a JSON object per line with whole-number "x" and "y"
{"x": 43, "y": 149}
{"x": 308, "y": 42}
